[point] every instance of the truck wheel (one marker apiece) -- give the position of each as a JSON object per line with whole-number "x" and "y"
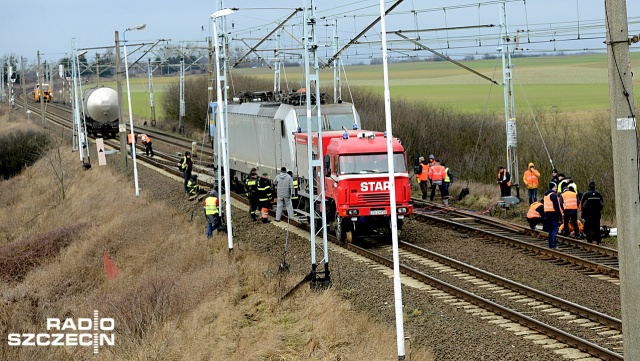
{"x": 349, "y": 237}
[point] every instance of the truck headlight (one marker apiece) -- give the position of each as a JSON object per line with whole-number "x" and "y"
{"x": 402, "y": 210}
{"x": 352, "y": 212}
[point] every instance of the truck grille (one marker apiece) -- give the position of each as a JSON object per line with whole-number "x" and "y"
{"x": 373, "y": 198}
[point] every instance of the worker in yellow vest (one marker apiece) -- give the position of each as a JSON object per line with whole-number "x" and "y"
{"x": 211, "y": 212}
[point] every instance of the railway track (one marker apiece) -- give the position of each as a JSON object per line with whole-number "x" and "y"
{"x": 579, "y": 255}
{"x": 491, "y": 297}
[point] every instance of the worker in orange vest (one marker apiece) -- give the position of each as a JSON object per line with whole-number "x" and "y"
{"x": 131, "y": 140}
{"x": 422, "y": 175}
{"x": 146, "y": 141}
{"x": 437, "y": 173}
{"x": 569, "y": 203}
{"x": 532, "y": 180}
{"x": 535, "y": 215}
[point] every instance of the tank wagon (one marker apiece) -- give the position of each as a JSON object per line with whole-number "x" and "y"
{"x": 268, "y": 135}
{"x": 101, "y": 111}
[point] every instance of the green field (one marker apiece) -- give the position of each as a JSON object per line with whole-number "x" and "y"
{"x": 565, "y": 83}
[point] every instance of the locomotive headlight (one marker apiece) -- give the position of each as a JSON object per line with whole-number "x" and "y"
{"x": 352, "y": 212}
{"x": 402, "y": 210}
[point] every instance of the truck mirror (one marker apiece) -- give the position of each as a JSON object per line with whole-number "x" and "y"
{"x": 327, "y": 165}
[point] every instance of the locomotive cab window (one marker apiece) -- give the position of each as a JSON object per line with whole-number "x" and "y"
{"x": 337, "y": 121}
{"x": 302, "y": 122}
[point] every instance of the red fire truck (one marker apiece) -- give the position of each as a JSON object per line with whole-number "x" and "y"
{"x": 356, "y": 181}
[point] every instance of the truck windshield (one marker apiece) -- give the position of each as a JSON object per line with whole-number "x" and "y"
{"x": 370, "y": 163}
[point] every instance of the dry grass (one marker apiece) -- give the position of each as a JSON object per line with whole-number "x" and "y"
{"x": 178, "y": 297}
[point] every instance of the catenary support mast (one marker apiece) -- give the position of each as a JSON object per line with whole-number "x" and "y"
{"x": 624, "y": 137}
{"x": 312, "y": 76}
{"x": 509, "y": 107}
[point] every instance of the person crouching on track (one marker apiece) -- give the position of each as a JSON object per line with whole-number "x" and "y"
{"x": 146, "y": 141}
{"x": 192, "y": 186}
{"x": 211, "y": 204}
{"x": 186, "y": 166}
{"x": 535, "y": 215}
{"x": 251, "y": 188}
{"x": 553, "y": 214}
{"x": 264, "y": 196}
{"x": 284, "y": 189}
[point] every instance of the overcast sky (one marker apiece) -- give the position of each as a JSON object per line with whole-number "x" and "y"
{"x": 29, "y": 26}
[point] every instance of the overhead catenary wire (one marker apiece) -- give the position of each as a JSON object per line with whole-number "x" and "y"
{"x": 533, "y": 116}
{"x": 484, "y": 116}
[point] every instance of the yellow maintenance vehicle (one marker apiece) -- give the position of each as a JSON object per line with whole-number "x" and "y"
{"x": 47, "y": 93}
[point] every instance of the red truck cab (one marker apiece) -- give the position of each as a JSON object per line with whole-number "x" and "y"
{"x": 357, "y": 181}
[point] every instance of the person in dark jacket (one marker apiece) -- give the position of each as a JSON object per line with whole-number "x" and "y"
{"x": 264, "y": 196}
{"x": 295, "y": 198}
{"x": 193, "y": 188}
{"x": 552, "y": 213}
{"x": 591, "y": 205}
{"x": 251, "y": 188}
{"x": 186, "y": 166}
{"x": 504, "y": 181}
{"x": 284, "y": 189}
{"x": 554, "y": 176}
{"x": 448, "y": 179}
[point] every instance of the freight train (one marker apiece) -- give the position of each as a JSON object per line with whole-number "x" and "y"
{"x": 101, "y": 111}
{"x": 268, "y": 134}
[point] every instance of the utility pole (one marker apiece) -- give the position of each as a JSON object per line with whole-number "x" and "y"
{"x": 625, "y": 169}
{"x": 97, "y": 69}
{"x": 2, "y": 77}
{"x": 40, "y": 76}
{"x": 122, "y": 127}
{"x": 182, "y": 105}
{"x": 24, "y": 89}
{"x": 151, "y": 100}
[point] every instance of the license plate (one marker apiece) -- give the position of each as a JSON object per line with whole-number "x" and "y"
{"x": 378, "y": 211}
